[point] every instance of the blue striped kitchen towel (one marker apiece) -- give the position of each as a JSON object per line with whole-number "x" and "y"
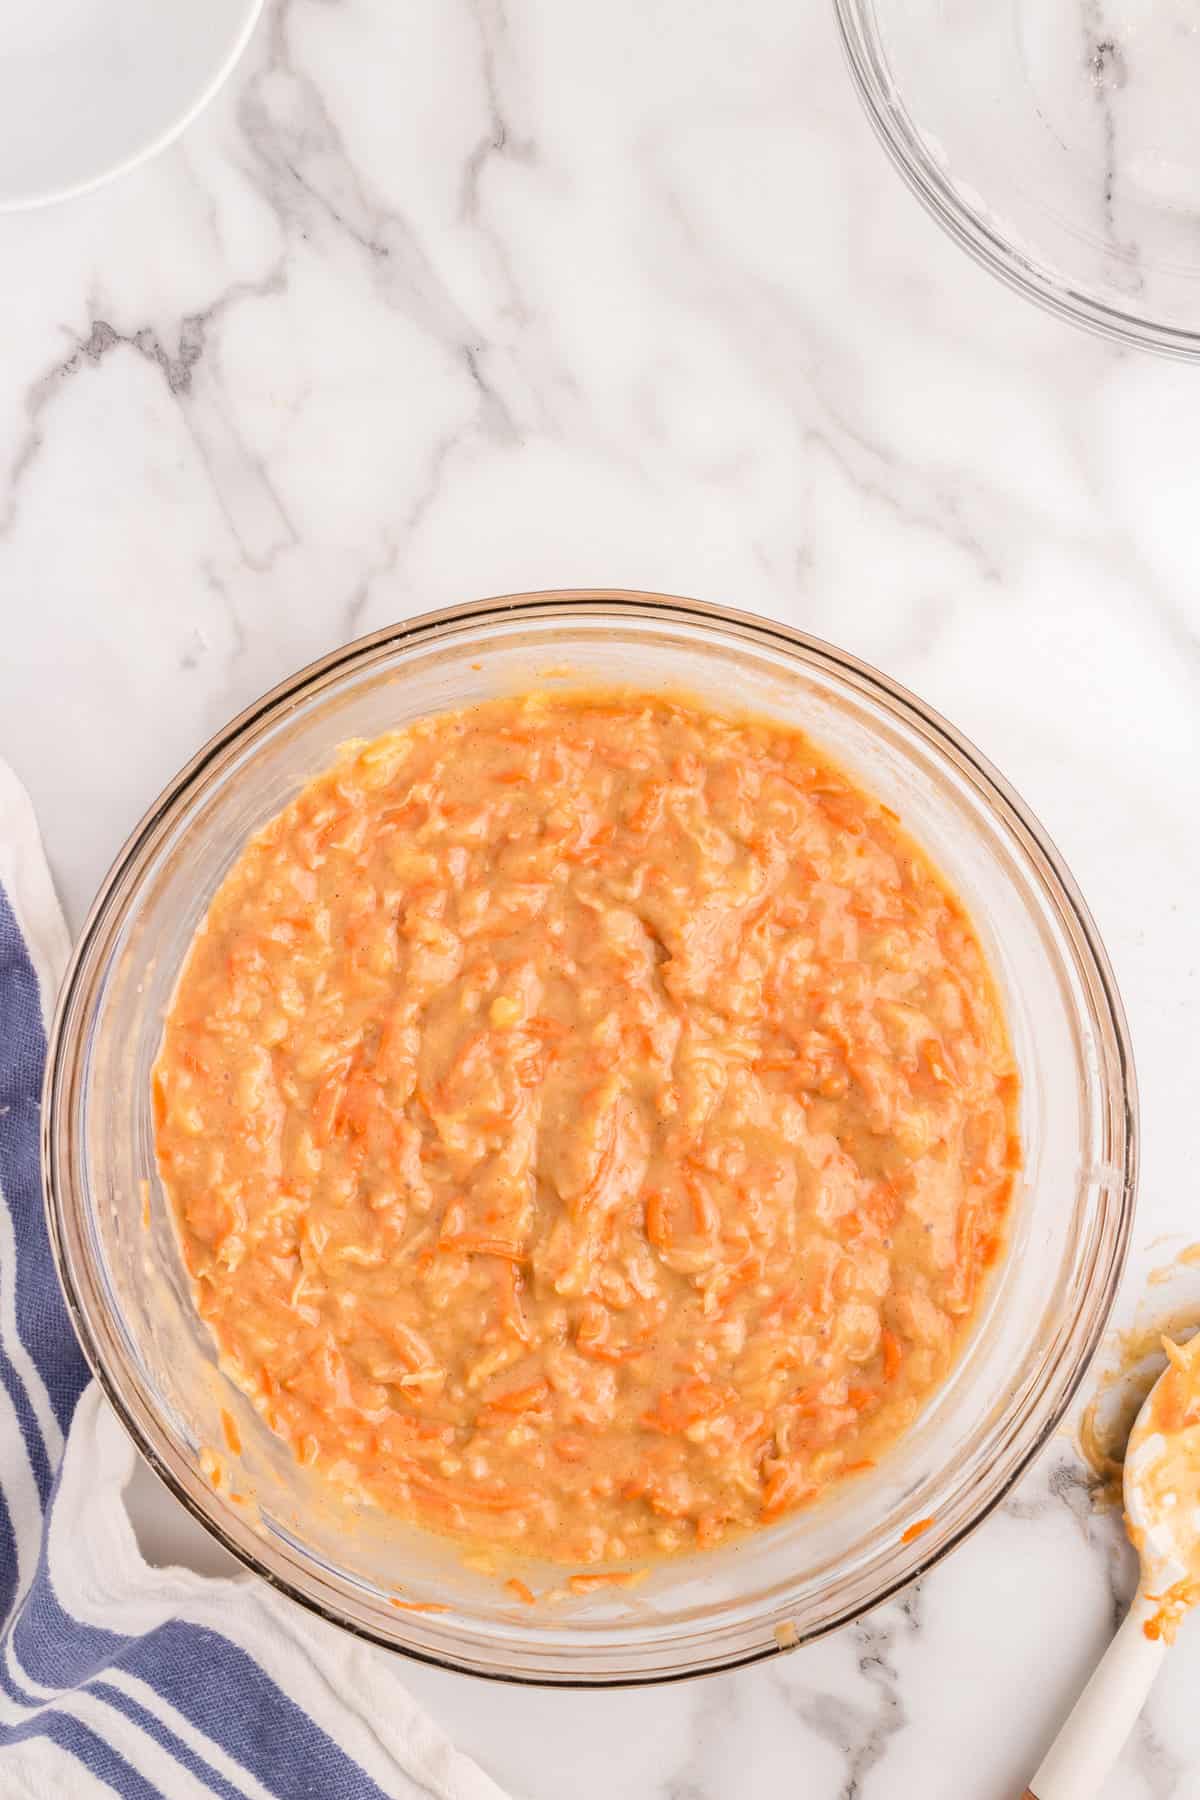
{"x": 115, "y": 1677}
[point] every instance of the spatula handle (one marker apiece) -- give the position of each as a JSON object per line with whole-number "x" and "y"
{"x": 1089, "y": 1743}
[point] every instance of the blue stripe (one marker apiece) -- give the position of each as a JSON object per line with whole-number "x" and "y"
{"x": 8, "y": 1594}
{"x": 97, "y": 1756}
{"x": 226, "y": 1694}
{"x": 8, "y": 1559}
{"x": 41, "y": 1316}
{"x": 213, "y": 1683}
{"x": 183, "y": 1753}
{"x": 31, "y": 1431}
{"x": 11, "y": 1688}
{"x": 54, "y": 1649}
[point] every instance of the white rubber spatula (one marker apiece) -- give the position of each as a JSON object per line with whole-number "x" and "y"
{"x": 1168, "y": 1537}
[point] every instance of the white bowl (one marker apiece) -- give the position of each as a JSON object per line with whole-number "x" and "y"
{"x": 88, "y": 88}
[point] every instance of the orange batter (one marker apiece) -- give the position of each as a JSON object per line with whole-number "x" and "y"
{"x": 589, "y": 1121}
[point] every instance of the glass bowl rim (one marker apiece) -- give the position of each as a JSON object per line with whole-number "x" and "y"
{"x": 120, "y": 885}
{"x": 970, "y": 230}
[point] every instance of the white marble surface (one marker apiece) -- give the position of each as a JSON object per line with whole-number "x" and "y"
{"x": 457, "y": 297}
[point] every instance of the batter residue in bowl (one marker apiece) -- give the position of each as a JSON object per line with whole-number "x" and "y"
{"x": 589, "y": 1122}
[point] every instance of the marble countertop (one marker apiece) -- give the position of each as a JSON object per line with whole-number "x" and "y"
{"x": 468, "y": 296}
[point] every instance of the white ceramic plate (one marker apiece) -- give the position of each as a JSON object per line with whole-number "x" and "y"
{"x": 88, "y": 88}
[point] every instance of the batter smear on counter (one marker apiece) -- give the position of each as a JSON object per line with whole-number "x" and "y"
{"x": 589, "y": 1122}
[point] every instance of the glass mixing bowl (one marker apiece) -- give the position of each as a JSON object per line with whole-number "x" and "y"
{"x": 1060, "y": 145}
{"x": 123, "y": 1276}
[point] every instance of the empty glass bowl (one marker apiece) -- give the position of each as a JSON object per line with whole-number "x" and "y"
{"x": 1060, "y": 145}
{"x": 123, "y": 1275}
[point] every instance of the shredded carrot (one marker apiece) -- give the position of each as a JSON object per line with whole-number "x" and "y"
{"x": 471, "y": 1244}
{"x": 587, "y": 1584}
{"x": 783, "y": 1490}
{"x": 509, "y": 1286}
{"x": 544, "y": 1027}
{"x": 517, "y": 1400}
{"x": 604, "y": 1166}
{"x": 685, "y": 1405}
{"x": 229, "y": 1427}
{"x": 409, "y": 1345}
{"x": 704, "y": 1213}
{"x": 471, "y": 1500}
{"x": 657, "y": 1228}
{"x": 520, "y": 1591}
{"x": 647, "y": 808}
{"x": 611, "y": 1353}
{"x": 418, "y": 1606}
{"x": 325, "y": 1108}
{"x": 915, "y": 1531}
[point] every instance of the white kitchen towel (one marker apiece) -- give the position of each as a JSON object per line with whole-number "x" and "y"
{"x": 116, "y": 1677}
